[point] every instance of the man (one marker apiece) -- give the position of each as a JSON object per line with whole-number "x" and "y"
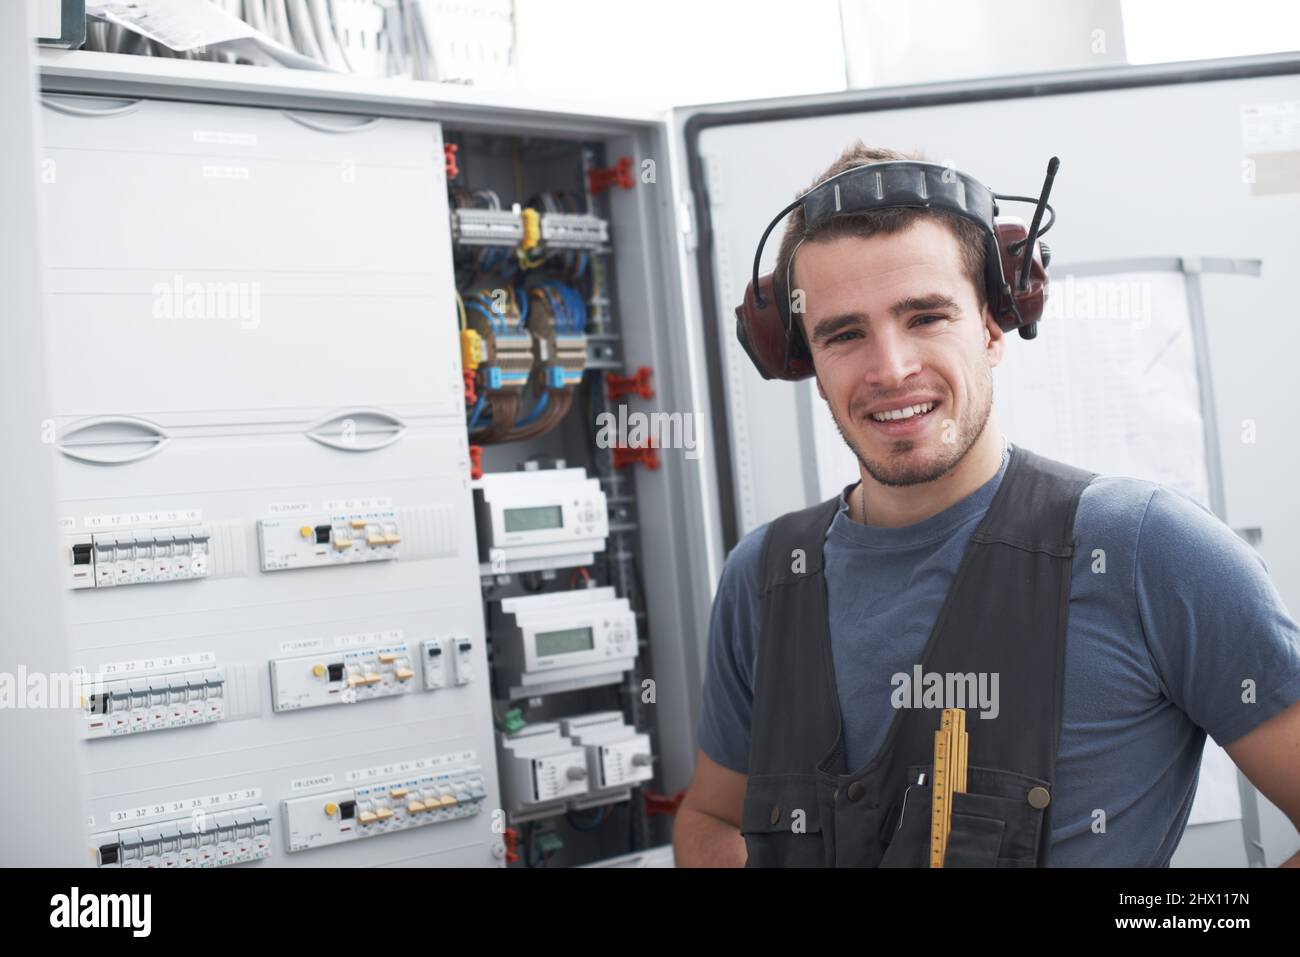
{"x": 1173, "y": 630}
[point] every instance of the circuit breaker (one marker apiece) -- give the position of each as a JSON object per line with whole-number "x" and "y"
{"x": 155, "y": 702}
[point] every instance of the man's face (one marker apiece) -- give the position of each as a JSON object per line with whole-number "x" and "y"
{"x": 892, "y": 322}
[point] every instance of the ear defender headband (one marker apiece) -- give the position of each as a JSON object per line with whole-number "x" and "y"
{"x": 1015, "y": 261}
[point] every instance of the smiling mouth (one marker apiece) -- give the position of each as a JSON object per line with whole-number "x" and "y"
{"x": 910, "y": 413}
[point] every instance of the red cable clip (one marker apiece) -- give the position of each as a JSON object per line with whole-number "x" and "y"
{"x": 603, "y": 177}
{"x": 449, "y": 151}
{"x": 661, "y": 803}
{"x": 476, "y": 462}
{"x": 512, "y": 840}
{"x": 470, "y": 395}
{"x": 617, "y": 386}
{"x": 625, "y": 455}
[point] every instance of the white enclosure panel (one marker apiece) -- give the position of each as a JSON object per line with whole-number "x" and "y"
{"x": 337, "y": 396}
{"x": 210, "y": 257}
{"x": 247, "y": 620}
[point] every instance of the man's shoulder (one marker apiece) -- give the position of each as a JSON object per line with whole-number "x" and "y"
{"x": 742, "y": 570}
{"x": 1160, "y": 523}
{"x": 744, "y": 563}
{"x": 1116, "y": 499}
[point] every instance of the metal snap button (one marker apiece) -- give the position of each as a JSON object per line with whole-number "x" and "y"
{"x": 776, "y": 814}
{"x": 855, "y": 790}
{"x": 1039, "y": 797}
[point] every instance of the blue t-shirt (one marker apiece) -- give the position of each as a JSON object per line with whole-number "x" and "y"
{"x": 1170, "y": 614}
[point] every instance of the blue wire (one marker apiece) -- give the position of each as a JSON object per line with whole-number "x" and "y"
{"x": 537, "y": 410}
{"x": 523, "y": 307}
{"x": 478, "y": 409}
{"x": 497, "y": 322}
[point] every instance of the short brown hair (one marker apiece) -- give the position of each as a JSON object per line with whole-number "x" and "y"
{"x": 970, "y": 237}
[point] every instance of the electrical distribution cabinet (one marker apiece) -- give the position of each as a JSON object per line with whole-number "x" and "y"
{"x": 283, "y": 542}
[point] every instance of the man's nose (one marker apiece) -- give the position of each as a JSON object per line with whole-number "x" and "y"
{"x": 893, "y": 358}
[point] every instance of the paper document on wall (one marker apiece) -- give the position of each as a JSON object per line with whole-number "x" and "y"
{"x": 1110, "y": 384}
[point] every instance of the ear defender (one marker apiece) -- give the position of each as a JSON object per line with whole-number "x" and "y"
{"x": 1015, "y": 273}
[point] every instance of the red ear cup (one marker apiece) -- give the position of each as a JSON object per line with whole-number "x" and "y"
{"x": 761, "y": 331}
{"x": 1011, "y": 308}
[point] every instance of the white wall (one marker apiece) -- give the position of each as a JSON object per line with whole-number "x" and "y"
{"x": 675, "y": 52}
{"x": 890, "y": 43}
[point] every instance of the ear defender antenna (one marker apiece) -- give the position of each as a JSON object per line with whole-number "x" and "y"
{"x": 1052, "y": 166}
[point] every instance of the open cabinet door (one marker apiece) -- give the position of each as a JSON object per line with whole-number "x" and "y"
{"x": 1178, "y": 192}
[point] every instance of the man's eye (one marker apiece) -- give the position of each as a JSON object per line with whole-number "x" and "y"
{"x": 840, "y": 337}
{"x": 922, "y": 320}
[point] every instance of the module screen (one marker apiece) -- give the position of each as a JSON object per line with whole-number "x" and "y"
{"x": 564, "y": 642}
{"x": 534, "y": 519}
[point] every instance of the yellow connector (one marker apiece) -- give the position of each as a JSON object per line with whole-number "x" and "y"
{"x": 471, "y": 349}
{"x": 532, "y": 229}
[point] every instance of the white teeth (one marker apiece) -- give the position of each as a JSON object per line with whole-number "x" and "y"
{"x": 904, "y": 413}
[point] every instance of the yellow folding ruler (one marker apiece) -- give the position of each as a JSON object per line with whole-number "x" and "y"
{"x": 950, "y": 747}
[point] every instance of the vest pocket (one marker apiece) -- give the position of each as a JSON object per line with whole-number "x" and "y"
{"x": 781, "y": 821}
{"x": 908, "y": 843}
{"x": 973, "y": 841}
{"x": 994, "y": 823}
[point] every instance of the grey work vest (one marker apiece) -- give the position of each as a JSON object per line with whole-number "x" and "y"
{"x": 1005, "y": 612}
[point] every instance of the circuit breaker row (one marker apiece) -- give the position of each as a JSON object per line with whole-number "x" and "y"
{"x": 399, "y": 804}
{"x": 241, "y": 835}
{"x": 135, "y": 557}
{"x": 155, "y": 702}
{"x": 347, "y": 677}
{"x": 327, "y": 540}
{"x": 196, "y": 840}
{"x": 179, "y": 699}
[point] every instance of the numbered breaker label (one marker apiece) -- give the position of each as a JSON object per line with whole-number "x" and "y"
{"x": 138, "y": 557}
{"x": 155, "y": 702}
{"x": 341, "y": 677}
{"x": 336, "y": 540}
{"x": 202, "y": 839}
{"x": 397, "y": 805}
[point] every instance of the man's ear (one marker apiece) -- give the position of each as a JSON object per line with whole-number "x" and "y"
{"x": 994, "y": 338}
{"x": 820, "y": 391}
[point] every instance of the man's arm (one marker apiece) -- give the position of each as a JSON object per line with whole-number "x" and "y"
{"x": 707, "y": 830}
{"x": 1270, "y": 757}
{"x": 1217, "y": 628}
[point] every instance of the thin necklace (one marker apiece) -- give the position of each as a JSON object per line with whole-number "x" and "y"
{"x": 862, "y": 491}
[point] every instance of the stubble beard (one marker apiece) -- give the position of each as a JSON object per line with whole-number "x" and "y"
{"x": 905, "y": 466}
